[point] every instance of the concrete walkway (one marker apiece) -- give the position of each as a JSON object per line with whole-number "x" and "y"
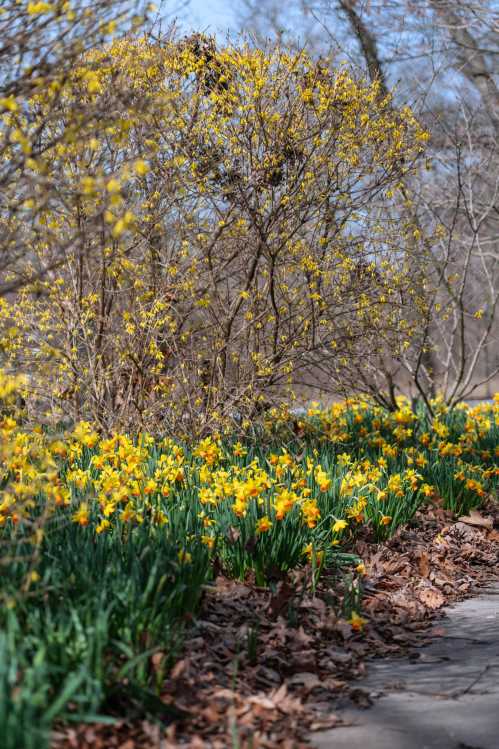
{"x": 448, "y": 698}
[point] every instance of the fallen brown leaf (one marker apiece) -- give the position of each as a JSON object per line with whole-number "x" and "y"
{"x": 475, "y": 518}
{"x": 321, "y": 725}
{"x": 308, "y": 679}
{"x": 262, "y": 701}
{"x": 424, "y": 564}
{"x": 179, "y": 668}
{"x": 280, "y": 600}
{"x": 431, "y": 597}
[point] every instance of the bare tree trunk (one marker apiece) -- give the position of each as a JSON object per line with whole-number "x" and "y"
{"x": 472, "y": 62}
{"x": 367, "y": 42}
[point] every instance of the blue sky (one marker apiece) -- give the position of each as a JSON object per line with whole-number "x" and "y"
{"x": 210, "y": 15}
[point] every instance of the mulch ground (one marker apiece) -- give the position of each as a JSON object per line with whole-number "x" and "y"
{"x": 264, "y": 669}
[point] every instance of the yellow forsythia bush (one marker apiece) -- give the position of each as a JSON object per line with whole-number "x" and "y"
{"x": 221, "y": 232}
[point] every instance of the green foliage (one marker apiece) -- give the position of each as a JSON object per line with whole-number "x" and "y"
{"x": 78, "y": 645}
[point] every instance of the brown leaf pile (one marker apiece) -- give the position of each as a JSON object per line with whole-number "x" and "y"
{"x": 263, "y": 669}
